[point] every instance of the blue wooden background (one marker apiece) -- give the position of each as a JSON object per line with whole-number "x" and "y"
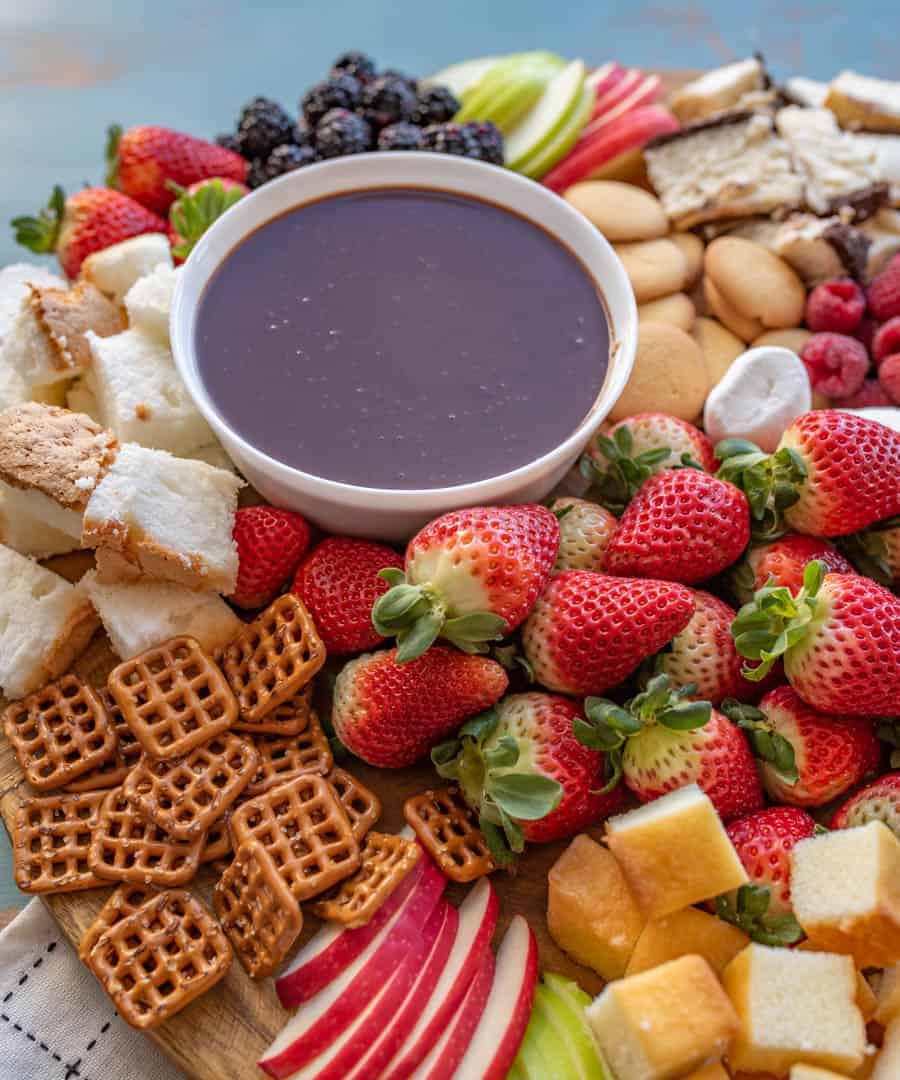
{"x": 68, "y": 68}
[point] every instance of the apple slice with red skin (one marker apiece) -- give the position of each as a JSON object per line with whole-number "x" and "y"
{"x": 333, "y": 949}
{"x": 449, "y": 1050}
{"x": 321, "y": 1019}
{"x": 380, "y": 1014}
{"x": 477, "y": 922}
{"x": 629, "y": 132}
{"x": 605, "y": 77}
{"x": 500, "y": 1030}
{"x": 629, "y": 82}
{"x": 644, "y": 93}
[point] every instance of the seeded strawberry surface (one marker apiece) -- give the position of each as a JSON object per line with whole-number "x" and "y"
{"x": 784, "y": 560}
{"x": 584, "y": 531}
{"x": 270, "y": 543}
{"x": 764, "y": 842}
{"x": 651, "y": 430}
{"x": 878, "y": 801}
{"x": 97, "y": 218}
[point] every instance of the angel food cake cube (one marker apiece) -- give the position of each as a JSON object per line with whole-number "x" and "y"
{"x": 154, "y": 515}
{"x": 45, "y": 624}
{"x": 29, "y": 535}
{"x": 115, "y": 269}
{"x": 140, "y": 395}
{"x": 149, "y": 301}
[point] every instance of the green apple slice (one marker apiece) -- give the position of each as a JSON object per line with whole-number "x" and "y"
{"x": 566, "y": 1003}
{"x": 533, "y": 70}
{"x": 543, "y": 1054}
{"x": 548, "y": 117}
{"x": 541, "y": 162}
{"x": 460, "y": 78}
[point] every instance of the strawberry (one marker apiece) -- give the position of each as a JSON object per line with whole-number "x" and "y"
{"x": 584, "y": 531}
{"x": 682, "y": 525}
{"x": 391, "y": 714}
{"x": 143, "y": 159}
{"x": 589, "y": 631}
{"x": 878, "y": 801}
{"x": 833, "y": 473}
{"x": 638, "y": 447}
{"x": 270, "y": 543}
{"x": 471, "y": 577}
{"x": 764, "y": 842}
{"x": 876, "y": 552}
{"x": 88, "y": 221}
{"x": 521, "y": 767}
{"x": 196, "y": 207}
{"x": 781, "y": 562}
{"x": 338, "y": 582}
{"x": 839, "y": 637}
{"x": 807, "y": 758}
{"x": 662, "y": 739}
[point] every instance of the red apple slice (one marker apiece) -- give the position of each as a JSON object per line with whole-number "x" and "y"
{"x": 622, "y": 89}
{"x": 628, "y": 132}
{"x": 477, "y": 921}
{"x": 502, "y": 1025}
{"x": 605, "y": 77}
{"x": 389, "y": 1004}
{"x": 449, "y": 1050}
{"x": 333, "y": 949}
{"x": 644, "y": 93}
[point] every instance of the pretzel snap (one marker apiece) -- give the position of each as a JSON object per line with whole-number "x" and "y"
{"x": 51, "y": 837}
{"x": 284, "y": 757}
{"x": 386, "y": 860}
{"x": 448, "y": 830}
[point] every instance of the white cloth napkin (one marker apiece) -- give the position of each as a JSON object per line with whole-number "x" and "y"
{"x": 55, "y": 1021}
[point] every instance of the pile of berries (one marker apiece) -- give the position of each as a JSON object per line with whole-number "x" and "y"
{"x": 853, "y": 356}
{"x": 355, "y": 109}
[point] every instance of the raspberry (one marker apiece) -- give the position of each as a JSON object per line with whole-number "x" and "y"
{"x": 836, "y": 306}
{"x": 887, "y": 340}
{"x": 884, "y": 292}
{"x": 868, "y": 396}
{"x": 865, "y": 332}
{"x": 889, "y": 377}
{"x": 837, "y": 364}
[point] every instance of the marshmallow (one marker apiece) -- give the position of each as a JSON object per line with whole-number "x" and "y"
{"x": 887, "y": 415}
{"x": 762, "y": 392}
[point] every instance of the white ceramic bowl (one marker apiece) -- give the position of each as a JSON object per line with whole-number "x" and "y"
{"x": 379, "y": 512}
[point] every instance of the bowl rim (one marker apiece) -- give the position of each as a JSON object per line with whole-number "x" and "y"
{"x": 256, "y": 209}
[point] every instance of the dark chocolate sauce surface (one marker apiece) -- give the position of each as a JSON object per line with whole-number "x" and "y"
{"x": 402, "y": 338}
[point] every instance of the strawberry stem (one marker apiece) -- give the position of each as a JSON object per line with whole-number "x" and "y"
{"x": 613, "y": 485}
{"x": 771, "y": 482}
{"x": 40, "y": 234}
{"x": 767, "y": 745}
{"x": 191, "y": 215}
{"x": 111, "y": 154}
{"x": 750, "y": 913}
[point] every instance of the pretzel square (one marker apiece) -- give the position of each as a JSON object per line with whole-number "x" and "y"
{"x": 217, "y": 844}
{"x": 59, "y": 733}
{"x": 362, "y": 806}
{"x": 185, "y": 797}
{"x": 256, "y": 910}
{"x": 273, "y": 658}
{"x": 108, "y": 775}
{"x": 157, "y": 960}
{"x": 289, "y": 718}
{"x": 124, "y": 901}
{"x": 448, "y": 830}
{"x": 304, "y": 828}
{"x": 127, "y": 752}
{"x": 51, "y": 838}
{"x": 129, "y": 747}
{"x": 386, "y": 860}
{"x": 127, "y": 848}
{"x": 173, "y": 697}
{"x": 285, "y": 757}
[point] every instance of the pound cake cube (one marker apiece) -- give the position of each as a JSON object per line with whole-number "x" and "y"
{"x": 27, "y": 534}
{"x": 684, "y": 933}
{"x": 887, "y": 1063}
{"x": 45, "y": 624}
{"x": 115, "y": 269}
{"x": 141, "y": 396}
{"x": 813, "y": 1072}
{"x": 149, "y": 302}
{"x": 845, "y": 888}
{"x": 599, "y": 933}
{"x": 140, "y": 615}
{"x": 887, "y": 999}
{"x": 157, "y": 516}
{"x": 794, "y": 1007}
{"x": 674, "y": 852}
{"x": 662, "y": 1023}
{"x": 715, "y": 1070}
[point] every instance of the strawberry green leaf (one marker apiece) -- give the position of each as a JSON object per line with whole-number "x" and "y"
{"x": 474, "y": 628}
{"x": 502, "y": 756}
{"x": 398, "y": 607}
{"x": 40, "y": 234}
{"x": 750, "y": 914}
{"x": 192, "y": 214}
{"x": 526, "y": 796}
{"x": 601, "y": 711}
{"x": 481, "y": 726}
{"x": 445, "y": 754}
{"x": 111, "y": 154}
{"x": 685, "y": 715}
{"x": 614, "y": 483}
{"x": 421, "y": 636}
{"x": 498, "y": 845}
{"x": 597, "y": 736}
{"x": 392, "y": 575}
{"x": 612, "y": 772}
{"x": 510, "y": 657}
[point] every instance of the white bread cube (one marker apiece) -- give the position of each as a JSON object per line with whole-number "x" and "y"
{"x": 674, "y": 852}
{"x": 115, "y": 269}
{"x": 158, "y": 516}
{"x": 149, "y": 301}
{"x": 50, "y": 460}
{"x": 14, "y": 282}
{"x": 80, "y": 398}
{"x": 845, "y": 889}
{"x": 887, "y": 1064}
{"x": 662, "y": 1023}
{"x": 794, "y": 1006}
{"x": 141, "y": 396}
{"x": 46, "y": 342}
{"x": 138, "y": 616}
{"x": 45, "y": 624}
{"x": 718, "y": 90}
{"x": 29, "y": 535}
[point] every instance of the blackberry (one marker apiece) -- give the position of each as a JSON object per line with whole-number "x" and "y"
{"x": 256, "y": 173}
{"x": 450, "y": 139}
{"x": 489, "y": 138}
{"x": 392, "y": 73}
{"x": 287, "y": 158}
{"x": 400, "y": 137}
{"x": 387, "y": 100}
{"x": 303, "y": 134}
{"x": 436, "y": 105}
{"x": 229, "y": 141}
{"x": 342, "y": 132}
{"x": 354, "y": 63}
{"x": 341, "y": 92}
{"x": 263, "y": 126}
